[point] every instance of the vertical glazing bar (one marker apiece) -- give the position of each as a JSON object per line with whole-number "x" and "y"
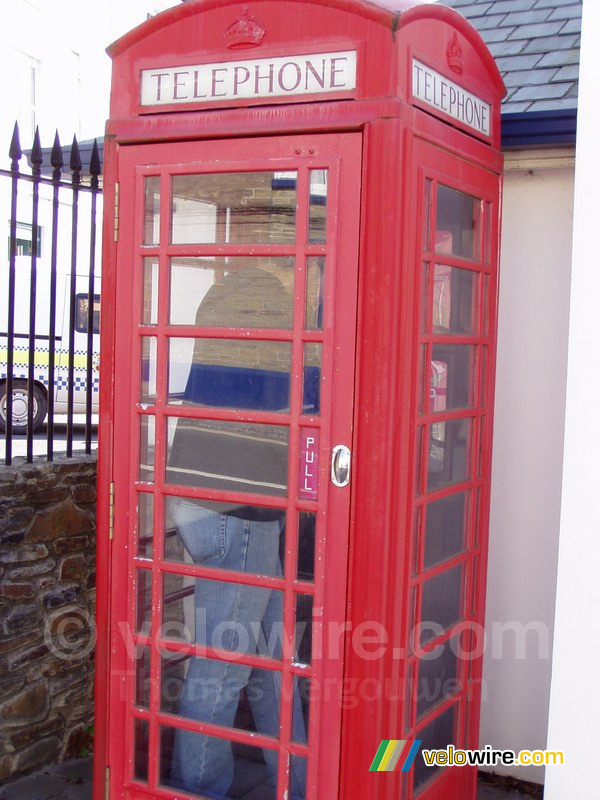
{"x": 36, "y": 161}
{"x": 56, "y": 160}
{"x": 15, "y": 154}
{"x": 75, "y": 164}
{"x": 89, "y": 382}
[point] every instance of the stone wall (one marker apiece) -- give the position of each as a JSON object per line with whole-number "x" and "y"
{"x": 47, "y": 597}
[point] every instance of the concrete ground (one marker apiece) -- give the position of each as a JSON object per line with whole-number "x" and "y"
{"x": 73, "y": 781}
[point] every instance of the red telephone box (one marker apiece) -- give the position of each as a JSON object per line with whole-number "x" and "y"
{"x": 299, "y": 296}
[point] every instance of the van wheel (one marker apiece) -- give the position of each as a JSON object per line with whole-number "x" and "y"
{"x": 20, "y": 404}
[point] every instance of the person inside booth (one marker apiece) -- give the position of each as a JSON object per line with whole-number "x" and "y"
{"x": 239, "y": 457}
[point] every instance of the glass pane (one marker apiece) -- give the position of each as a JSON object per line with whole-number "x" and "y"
{"x": 452, "y": 378}
{"x": 435, "y": 736}
{"x": 148, "y": 377}
{"x": 221, "y": 692}
{"x": 458, "y": 224}
{"x": 212, "y": 767}
{"x": 141, "y": 734}
{"x": 318, "y": 206}
{"x": 226, "y": 616}
{"x": 228, "y": 455}
{"x": 142, "y": 677}
{"x": 244, "y": 292}
{"x": 441, "y": 602}
{"x": 445, "y": 528}
{"x": 230, "y": 373}
{"x": 313, "y": 359}
{"x": 303, "y": 638}
{"x": 453, "y": 300}
{"x": 145, "y": 527}
{"x": 448, "y": 453}
{"x": 298, "y": 773}
{"x": 438, "y": 676}
{"x": 143, "y": 600}
{"x": 427, "y": 215}
{"x": 233, "y": 208}
{"x": 315, "y": 289}
{"x": 301, "y": 709}
{"x": 217, "y": 534}
{"x": 150, "y": 291}
{"x": 307, "y": 522}
{"x": 146, "y": 472}
{"x": 424, "y": 303}
{"x": 152, "y": 210}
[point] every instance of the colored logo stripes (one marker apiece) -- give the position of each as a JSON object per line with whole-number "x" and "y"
{"x": 389, "y": 752}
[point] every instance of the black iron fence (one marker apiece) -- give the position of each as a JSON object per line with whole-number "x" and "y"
{"x": 49, "y": 301}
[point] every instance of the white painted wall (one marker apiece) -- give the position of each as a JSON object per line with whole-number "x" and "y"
{"x": 575, "y": 696}
{"x": 528, "y": 442}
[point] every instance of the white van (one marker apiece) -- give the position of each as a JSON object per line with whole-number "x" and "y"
{"x": 41, "y": 350}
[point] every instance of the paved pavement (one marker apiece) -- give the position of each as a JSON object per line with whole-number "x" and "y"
{"x": 73, "y": 781}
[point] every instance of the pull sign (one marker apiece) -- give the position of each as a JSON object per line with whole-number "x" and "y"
{"x": 340, "y": 465}
{"x": 309, "y": 464}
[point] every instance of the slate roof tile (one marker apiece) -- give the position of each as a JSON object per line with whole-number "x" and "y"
{"x": 506, "y": 6}
{"x": 536, "y": 46}
{"x": 567, "y": 12}
{"x": 533, "y": 77}
{"x": 530, "y": 17}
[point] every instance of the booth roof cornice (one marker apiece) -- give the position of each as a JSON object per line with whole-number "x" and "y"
{"x": 389, "y": 13}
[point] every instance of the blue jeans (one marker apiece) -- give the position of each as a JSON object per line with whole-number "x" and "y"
{"x": 245, "y": 619}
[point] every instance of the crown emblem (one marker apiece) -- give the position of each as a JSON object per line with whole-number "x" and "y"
{"x": 454, "y": 55}
{"x": 245, "y": 32}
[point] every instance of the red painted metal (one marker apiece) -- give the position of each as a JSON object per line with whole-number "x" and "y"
{"x": 383, "y": 145}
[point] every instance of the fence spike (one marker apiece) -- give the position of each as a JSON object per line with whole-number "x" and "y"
{"x": 56, "y": 158}
{"x": 36, "y": 154}
{"x": 95, "y": 167}
{"x": 75, "y": 161}
{"x": 14, "y": 150}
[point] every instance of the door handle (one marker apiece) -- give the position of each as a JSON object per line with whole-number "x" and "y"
{"x": 340, "y": 465}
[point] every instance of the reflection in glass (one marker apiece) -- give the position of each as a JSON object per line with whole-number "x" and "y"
{"x": 152, "y": 210}
{"x": 451, "y": 377}
{"x": 427, "y": 214}
{"x": 150, "y": 291}
{"x": 298, "y": 767}
{"x": 301, "y": 709}
{"x": 315, "y": 288}
{"x": 424, "y": 303}
{"x": 317, "y": 221}
{"x": 441, "y": 602}
{"x": 183, "y": 514}
{"x": 147, "y": 426}
{"x": 142, "y": 677}
{"x": 145, "y": 526}
{"x": 438, "y": 677}
{"x": 448, "y": 452}
{"x": 141, "y": 735}
{"x": 436, "y": 736}
{"x": 230, "y": 373}
{"x": 233, "y": 208}
{"x": 227, "y": 616}
{"x": 189, "y": 686}
{"x": 240, "y": 292}
{"x": 307, "y": 521}
{"x": 445, "y": 528}
{"x": 227, "y": 771}
{"x": 458, "y": 224}
{"x": 303, "y": 636}
{"x": 143, "y": 600}
{"x": 453, "y": 300}
{"x": 313, "y": 360}
{"x": 227, "y": 455}
{"x": 148, "y": 376}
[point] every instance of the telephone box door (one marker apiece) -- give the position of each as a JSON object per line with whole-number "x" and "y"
{"x": 236, "y": 291}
